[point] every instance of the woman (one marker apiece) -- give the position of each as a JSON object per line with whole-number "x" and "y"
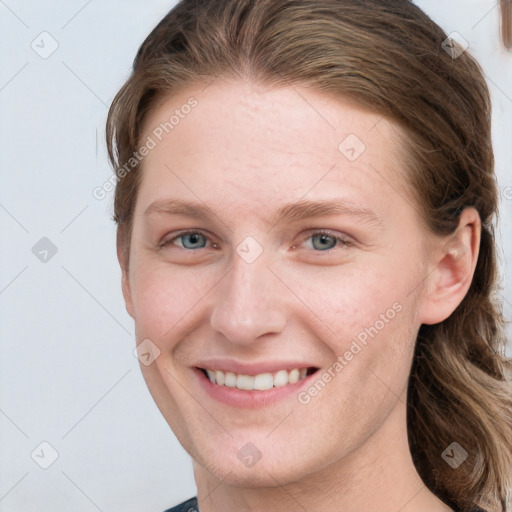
{"x": 305, "y": 203}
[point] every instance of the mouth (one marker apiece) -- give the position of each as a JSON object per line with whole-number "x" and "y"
{"x": 258, "y": 382}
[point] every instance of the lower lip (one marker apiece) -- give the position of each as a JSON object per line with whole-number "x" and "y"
{"x": 248, "y": 399}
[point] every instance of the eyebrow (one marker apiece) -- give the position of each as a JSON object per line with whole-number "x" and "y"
{"x": 291, "y": 212}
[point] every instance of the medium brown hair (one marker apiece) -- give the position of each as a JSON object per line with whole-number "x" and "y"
{"x": 388, "y": 56}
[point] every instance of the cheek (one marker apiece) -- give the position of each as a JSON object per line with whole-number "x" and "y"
{"x": 350, "y": 299}
{"x": 371, "y": 319}
{"x": 163, "y": 298}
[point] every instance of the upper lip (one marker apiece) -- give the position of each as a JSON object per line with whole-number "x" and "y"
{"x": 255, "y": 368}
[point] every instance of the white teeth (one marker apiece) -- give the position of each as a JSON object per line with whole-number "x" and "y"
{"x": 244, "y": 382}
{"x": 293, "y": 376}
{"x": 220, "y": 377}
{"x": 230, "y": 380}
{"x": 263, "y": 381}
{"x": 260, "y": 382}
{"x": 281, "y": 378}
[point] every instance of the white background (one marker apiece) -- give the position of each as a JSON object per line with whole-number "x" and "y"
{"x": 67, "y": 372}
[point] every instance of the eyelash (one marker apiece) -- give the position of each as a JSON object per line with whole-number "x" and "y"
{"x": 165, "y": 243}
{"x": 343, "y": 242}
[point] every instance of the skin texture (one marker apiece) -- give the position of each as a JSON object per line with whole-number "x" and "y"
{"x": 244, "y": 151}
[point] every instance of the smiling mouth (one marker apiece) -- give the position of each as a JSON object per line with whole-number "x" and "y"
{"x": 259, "y": 382}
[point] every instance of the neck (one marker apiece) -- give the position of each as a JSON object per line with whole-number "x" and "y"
{"x": 378, "y": 475}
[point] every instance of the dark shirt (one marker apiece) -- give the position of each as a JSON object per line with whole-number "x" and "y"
{"x": 191, "y": 506}
{"x": 187, "y": 506}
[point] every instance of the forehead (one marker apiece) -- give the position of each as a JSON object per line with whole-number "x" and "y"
{"x": 244, "y": 143}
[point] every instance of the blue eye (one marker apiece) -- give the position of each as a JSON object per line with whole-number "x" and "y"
{"x": 190, "y": 240}
{"x": 324, "y": 241}
{"x": 193, "y": 240}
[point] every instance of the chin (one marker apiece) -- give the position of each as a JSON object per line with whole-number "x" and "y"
{"x": 262, "y": 475}
{"x": 275, "y": 465}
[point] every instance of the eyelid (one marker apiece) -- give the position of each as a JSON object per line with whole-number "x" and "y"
{"x": 168, "y": 241}
{"x": 344, "y": 240}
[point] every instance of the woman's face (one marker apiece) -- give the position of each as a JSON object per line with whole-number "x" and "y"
{"x": 274, "y": 232}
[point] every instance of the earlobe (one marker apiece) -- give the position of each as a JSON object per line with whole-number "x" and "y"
{"x": 122, "y": 257}
{"x": 455, "y": 264}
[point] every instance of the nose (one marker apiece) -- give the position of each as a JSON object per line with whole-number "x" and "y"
{"x": 247, "y": 303}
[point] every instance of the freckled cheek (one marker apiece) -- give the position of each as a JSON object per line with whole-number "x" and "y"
{"x": 348, "y": 301}
{"x": 372, "y": 325}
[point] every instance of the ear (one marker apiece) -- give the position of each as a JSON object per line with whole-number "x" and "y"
{"x": 122, "y": 257}
{"x": 454, "y": 260}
